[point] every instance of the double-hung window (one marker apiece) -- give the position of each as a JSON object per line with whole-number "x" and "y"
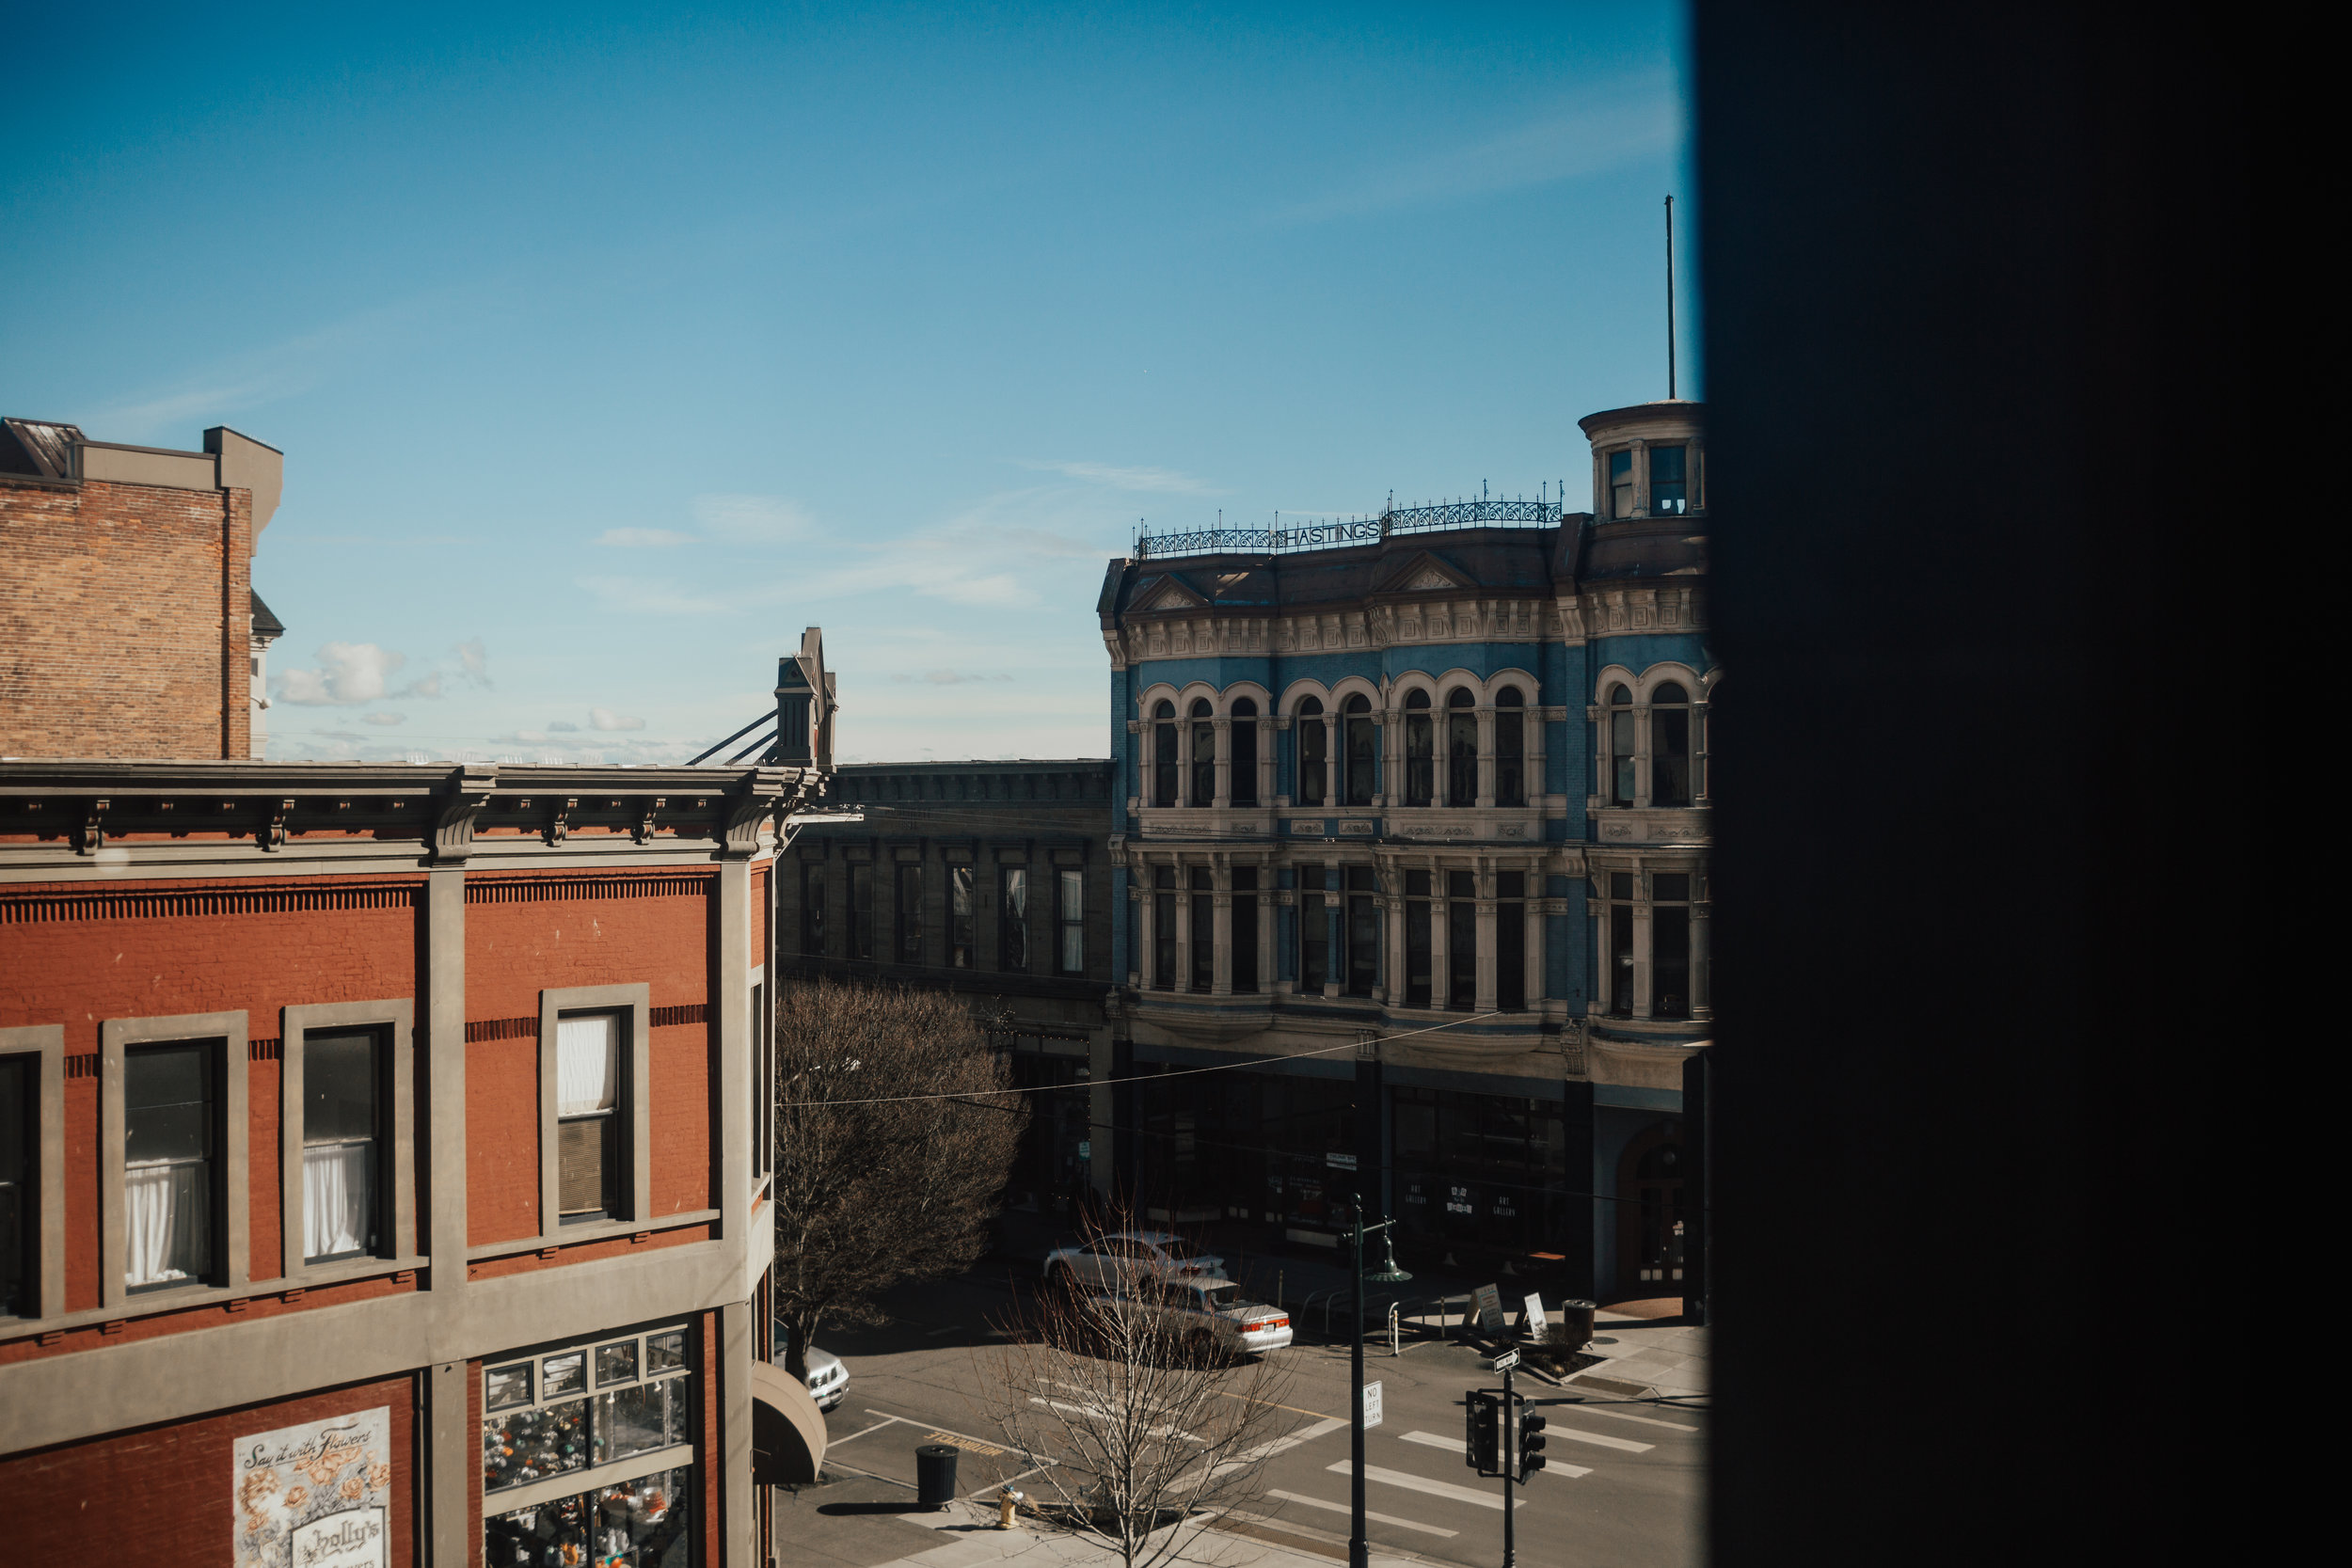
{"x": 1621, "y": 943}
{"x": 861, "y": 909}
{"x": 1461, "y": 940}
{"x": 1420, "y": 776}
{"x": 812, "y": 911}
{"x": 1669, "y": 488}
{"x": 1314, "y": 930}
{"x": 1362, "y": 751}
{"x": 1245, "y": 728}
{"x": 172, "y": 1144}
{"x": 1461, "y": 748}
{"x": 1363, "y": 931}
{"x": 1619, "y": 718}
{"x": 1670, "y": 945}
{"x": 1204, "y": 928}
{"x": 1510, "y": 748}
{"x": 1670, "y": 745}
{"x": 1070, "y": 918}
{"x": 1312, "y": 737}
{"x": 1163, "y": 755}
{"x": 1511, "y": 941}
{"x": 19, "y": 1208}
{"x": 342, "y": 1141}
{"x": 1417, "y": 947}
{"x": 1245, "y": 930}
{"x": 589, "y": 1136}
{"x": 1012, "y": 920}
{"x": 1621, "y": 484}
{"x": 1203, "y": 753}
{"x": 963, "y": 916}
{"x": 1162, "y": 927}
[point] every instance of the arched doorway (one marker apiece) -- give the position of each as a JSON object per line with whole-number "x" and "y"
{"x": 1651, "y": 1220}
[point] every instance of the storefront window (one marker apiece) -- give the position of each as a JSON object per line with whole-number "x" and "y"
{"x": 543, "y": 1422}
{"x": 1480, "y": 1170}
{"x": 643, "y": 1523}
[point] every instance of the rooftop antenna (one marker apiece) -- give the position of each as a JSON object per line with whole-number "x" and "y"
{"x": 1670, "y": 299}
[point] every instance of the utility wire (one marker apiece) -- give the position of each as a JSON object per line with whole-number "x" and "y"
{"x": 1254, "y": 1063}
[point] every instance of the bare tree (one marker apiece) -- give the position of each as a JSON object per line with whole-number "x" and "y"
{"x": 1151, "y": 1427}
{"x": 895, "y": 1130}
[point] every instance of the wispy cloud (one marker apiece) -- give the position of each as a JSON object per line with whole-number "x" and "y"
{"x": 1638, "y": 117}
{"x": 384, "y": 717}
{"x": 1142, "y": 481}
{"x": 652, "y": 596}
{"x": 605, "y": 719}
{"x": 347, "y": 672}
{"x": 642, "y": 538}
{"x": 752, "y": 519}
{"x": 948, "y": 677}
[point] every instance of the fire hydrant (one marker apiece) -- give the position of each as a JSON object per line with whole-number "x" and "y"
{"x": 1008, "y": 1502}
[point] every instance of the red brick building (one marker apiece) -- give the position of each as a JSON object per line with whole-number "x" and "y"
{"x": 381, "y": 1157}
{"x": 127, "y": 615}
{"x": 383, "y": 1148}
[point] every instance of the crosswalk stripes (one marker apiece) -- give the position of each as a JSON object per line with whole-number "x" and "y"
{"x": 1454, "y": 1446}
{"x": 1376, "y": 1518}
{"x": 1422, "y": 1483}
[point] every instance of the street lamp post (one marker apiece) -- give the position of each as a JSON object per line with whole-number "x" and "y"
{"x": 1360, "y": 1549}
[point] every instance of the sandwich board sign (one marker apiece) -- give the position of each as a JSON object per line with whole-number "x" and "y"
{"x": 1532, "y": 1316}
{"x": 1488, "y": 1301}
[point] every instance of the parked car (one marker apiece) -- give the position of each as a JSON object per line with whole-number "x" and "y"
{"x": 1202, "y": 1312}
{"x": 1130, "y": 1254}
{"x": 828, "y": 1379}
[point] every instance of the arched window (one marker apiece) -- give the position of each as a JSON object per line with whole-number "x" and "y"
{"x": 1421, "y": 770}
{"x": 1163, "y": 755}
{"x": 1203, "y": 753}
{"x": 1620, "y": 720}
{"x": 1362, "y": 750}
{"x": 1461, "y": 748}
{"x": 1311, "y": 751}
{"x": 1510, "y": 748}
{"x": 1245, "y": 791}
{"x": 1670, "y": 746}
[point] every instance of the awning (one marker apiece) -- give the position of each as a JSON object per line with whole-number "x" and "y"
{"x": 788, "y": 1429}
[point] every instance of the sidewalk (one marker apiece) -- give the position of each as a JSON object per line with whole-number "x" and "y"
{"x": 969, "y": 1539}
{"x": 1646, "y": 1354}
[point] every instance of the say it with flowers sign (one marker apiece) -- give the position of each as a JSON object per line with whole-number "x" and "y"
{"x": 315, "y": 1495}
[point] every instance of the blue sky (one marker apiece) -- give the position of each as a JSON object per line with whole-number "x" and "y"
{"x": 609, "y": 349}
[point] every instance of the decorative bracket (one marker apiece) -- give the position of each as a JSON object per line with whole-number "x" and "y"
{"x": 462, "y": 798}
{"x": 560, "y": 823}
{"x": 759, "y": 797}
{"x": 273, "y": 834}
{"x": 642, "y": 832}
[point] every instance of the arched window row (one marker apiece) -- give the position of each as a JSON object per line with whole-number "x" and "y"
{"x": 1452, "y": 742}
{"x": 1650, "y": 737}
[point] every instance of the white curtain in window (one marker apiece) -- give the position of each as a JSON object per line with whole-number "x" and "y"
{"x": 337, "y": 1199}
{"x": 167, "y": 1220}
{"x": 587, "y": 1064}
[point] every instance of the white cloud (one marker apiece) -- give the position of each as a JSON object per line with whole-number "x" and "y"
{"x": 473, "y": 662}
{"x": 651, "y": 596}
{"x": 751, "y": 519}
{"x": 381, "y": 717}
{"x": 562, "y": 726}
{"x": 427, "y": 684}
{"x": 347, "y": 672}
{"x": 642, "y": 538}
{"x": 1156, "y": 480}
{"x": 1640, "y": 116}
{"x": 605, "y": 719}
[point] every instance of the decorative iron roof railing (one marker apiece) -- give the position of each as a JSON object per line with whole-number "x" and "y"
{"x": 1333, "y": 533}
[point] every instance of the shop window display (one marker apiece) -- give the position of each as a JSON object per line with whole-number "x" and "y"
{"x": 643, "y": 1523}
{"x": 542, "y": 1422}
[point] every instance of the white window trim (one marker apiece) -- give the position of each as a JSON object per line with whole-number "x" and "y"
{"x": 232, "y": 1271}
{"x": 396, "y": 1202}
{"x": 45, "y": 1041}
{"x": 635, "y": 1114}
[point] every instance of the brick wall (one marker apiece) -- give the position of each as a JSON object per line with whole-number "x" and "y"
{"x": 125, "y": 621}
{"x": 166, "y": 1494}
{"x": 594, "y": 931}
{"x": 80, "y": 957}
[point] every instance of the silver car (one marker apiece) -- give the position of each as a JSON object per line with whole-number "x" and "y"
{"x": 828, "y": 1379}
{"x": 1127, "y": 1256}
{"x": 1204, "y": 1312}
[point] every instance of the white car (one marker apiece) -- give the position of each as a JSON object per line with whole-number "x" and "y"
{"x": 828, "y": 1379}
{"x": 1203, "y": 1312}
{"x": 1130, "y": 1254}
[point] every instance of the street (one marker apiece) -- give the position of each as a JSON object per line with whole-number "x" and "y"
{"x": 1623, "y": 1485}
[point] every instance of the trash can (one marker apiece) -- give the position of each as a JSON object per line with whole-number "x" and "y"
{"x": 934, "y": 1475}
{"x": 1576, "y": 1325}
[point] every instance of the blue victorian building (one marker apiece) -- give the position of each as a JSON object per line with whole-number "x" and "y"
{"x": 1410, "y": 815}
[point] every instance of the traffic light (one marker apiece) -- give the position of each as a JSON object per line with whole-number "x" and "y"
{"x": 1531, "y": 1443}
{"x": 1483, "y": 1437}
